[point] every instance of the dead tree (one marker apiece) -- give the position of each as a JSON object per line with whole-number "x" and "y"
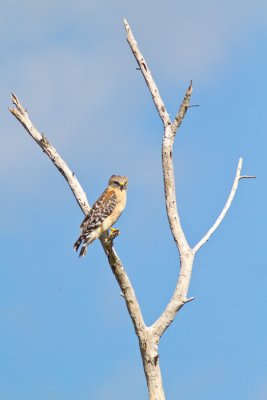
{"x": 148, "y": 336}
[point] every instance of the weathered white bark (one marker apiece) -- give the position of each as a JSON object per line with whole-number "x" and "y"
{"x": 148, "y": 345}
{"x": 179, "y": 297}
{"x": 148, "y": 336}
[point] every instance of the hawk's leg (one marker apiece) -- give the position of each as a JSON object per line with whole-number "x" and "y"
{"x": 112, "y": 235}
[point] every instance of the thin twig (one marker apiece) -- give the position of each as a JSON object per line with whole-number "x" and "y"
{"x": 183, "y": 108}
{"x": 247, "y": 177}
{"x": 228, "y": 203}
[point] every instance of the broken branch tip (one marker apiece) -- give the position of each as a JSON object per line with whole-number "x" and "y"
{"x": 126, "y": 25}
{"x": 247, "y": 177}
{"x": 14, "y": 98}
{"x": 189, "y": 299}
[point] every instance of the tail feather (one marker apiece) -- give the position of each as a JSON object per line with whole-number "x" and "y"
{"x": 85, "y": 243}
{"x": 77, "y": 243}
{"x": 83, "y": 250}
{"x": 85, "y": 240}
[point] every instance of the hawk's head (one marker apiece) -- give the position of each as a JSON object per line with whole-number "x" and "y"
{"x": 118, "y": 181}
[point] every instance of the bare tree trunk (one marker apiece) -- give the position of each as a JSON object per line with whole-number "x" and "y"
{"x": 150, "y": 358}
{"x": 148, "y": 337}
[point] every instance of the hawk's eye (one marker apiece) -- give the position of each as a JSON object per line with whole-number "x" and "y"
{"x": 116, "y": 183}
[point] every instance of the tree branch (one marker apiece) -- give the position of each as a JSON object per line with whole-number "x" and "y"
{"x": 169, "y": 176}
{"x": 20, "y": 113}
{"x": 226, "y": 207}
{"x": 114, "y": 261}
{"x": 168, "y": 140}
{"x": 179, "y": 297}
{"x": 147, "y": 76}
{"x": 183, "y": 109}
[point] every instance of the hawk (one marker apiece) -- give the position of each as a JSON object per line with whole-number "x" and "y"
{"x": 104, "y": 213}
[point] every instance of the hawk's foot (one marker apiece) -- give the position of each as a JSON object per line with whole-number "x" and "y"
{"x": 114, "y": 231}
{"x": 113, "y": 234}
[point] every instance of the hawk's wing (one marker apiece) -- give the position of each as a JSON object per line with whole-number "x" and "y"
{"x": 101, "y": 209}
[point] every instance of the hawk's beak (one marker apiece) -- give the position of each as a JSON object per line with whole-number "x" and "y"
{"x": 122, "y": 185}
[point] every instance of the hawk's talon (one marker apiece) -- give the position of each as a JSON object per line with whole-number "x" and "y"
{"x": 114, "y": 232}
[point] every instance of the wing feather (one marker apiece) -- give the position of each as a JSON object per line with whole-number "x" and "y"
{"x": 100, "y": 210}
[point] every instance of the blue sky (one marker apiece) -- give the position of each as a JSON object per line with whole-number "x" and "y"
{"x": 64, "y": 330}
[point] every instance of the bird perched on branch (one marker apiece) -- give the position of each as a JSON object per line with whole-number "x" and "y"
{"x": 104, "y": 213}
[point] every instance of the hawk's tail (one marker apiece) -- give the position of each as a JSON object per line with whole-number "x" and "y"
{"x": 84, "y": 247}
